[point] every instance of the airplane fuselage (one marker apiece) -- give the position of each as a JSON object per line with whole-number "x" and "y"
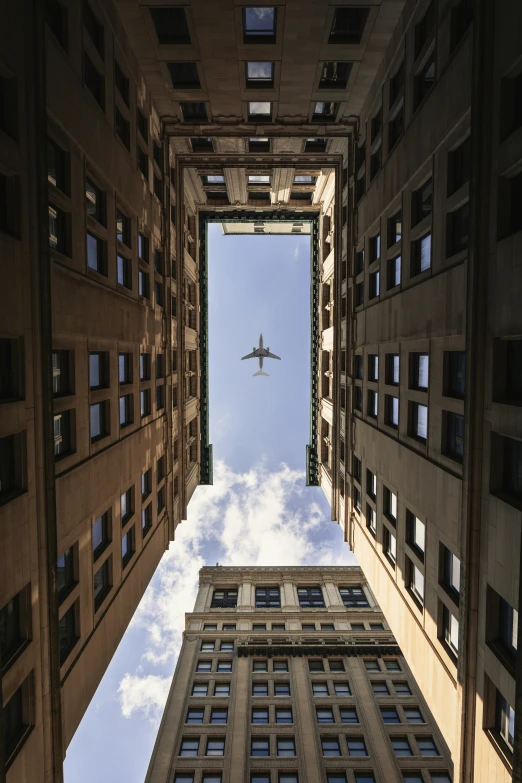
{"x": 261, "y": 353}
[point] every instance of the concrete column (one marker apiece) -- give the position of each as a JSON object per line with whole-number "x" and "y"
{"x": 204, "y": 597}
{"x": 245, "y": 597}
{"x": 290, "y": 602}
{"x": 235, "y": 770}
{"x": 311, "y": 770}
{"x": 332, "y": 597}
{"x": 236, "y": 185}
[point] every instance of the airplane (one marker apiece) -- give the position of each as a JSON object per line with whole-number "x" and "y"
{"x": 260, "y": 353}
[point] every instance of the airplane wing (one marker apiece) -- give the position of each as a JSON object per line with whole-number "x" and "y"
{"x": 248, "y": 356}
{"x": 272, "y": 355}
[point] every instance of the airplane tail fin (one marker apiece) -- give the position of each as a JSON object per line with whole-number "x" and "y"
{"x": 260, "y": 372}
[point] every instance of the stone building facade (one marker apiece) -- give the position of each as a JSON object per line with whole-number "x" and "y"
{"x": 290, "y": 675}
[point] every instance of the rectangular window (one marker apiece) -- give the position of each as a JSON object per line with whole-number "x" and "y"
{"x": 260, "y": 665}
{"x": 67, "y": 634}
{"x": 348, "y": 25}
{"x": 126, "y": 506}
{"x": 319, "y": 689}
{"x": 348, "y": 715}
{"x": 194, "y": 111}
{"x": 401, "y": 746}
{"x": 371, "y": 519}
{"x": 454, "y": 373}
{"x": 260, "y": 746}
{"x": 415, "y": 581}
{"x": 11, "y": 370}
{"x": 453, "y": 435}
{"x": 219, "y": 715}
{"x": 143, "y": 284}
{"x": 94, "y": 81}
{"x": 126, "y": 410}
{"x": 12, "y": 477}
{"x": 512, "y": 473}
{"x": 392, "y": 369}
{"x": 259, "y": 25}
{"x": 58, "y": 227}
{"x": 421, "y": 202}
{"x": 200, "y": 689}
{"x": 145, "y": 403}
{"x": 124, "y": 272}
{"x": 390, "y": 715}
{"x": 421, "y": 255}
{"x": 63, "y": 434}
{"x": 16, "y": 718}
{"x": 342, "y": 689}
{"x": 416, "y": 533}
{"x": 184, "y": 75}
{"x": 324, "y": 715}
{"x": 459, "y": 166}
{"x": 315, "y": 665}
{"x": 99, "y": 420}
{"x": 259, "y": 74}
{"x": 122, "y": 128}
{"x": 424, "y": 81}
{"x": 505, "y": 720}
{"x": 123, "y": 228}
{"x": 222, "y": 689}
{"x": 418, "y": 421}
{"x": 353, "y": 596}
{"x": 124, "y": 368}
{"x": 373, "y": 404}
{"x": 127, "y": 546}
{"x": 281, "y": 665}
{"x": 391, "y": 410}
{"x": 394, "y": 271}
{"x": 259, "y": 110}
{"x": 15, "y": 626}
{"x": 260, "y": 715}
{"x": 101, "y": 584}
{"x": 99, "y": 370}
{"x": 66, "y": 576}
{"x": 268, "y": 597}
{"x": 284, "y": 715}
{"x": 281, "y": 689}
{"x": 285, "y": 746}
{"x": 413, "y": 715}
{"x": 450, "y": 630}
{"x": 392, "y": 665}
{"x": 334, "y": 75}
{"x": 457, "y": 230}
{"x": 374, "y": 284}
{"x": 57, "y": 167}
{"x": 224, "y": 599}
{"x": 310, "y": 596}
{"x": 390, "y": 546}
{"x": 427, "y": 746}
{"x": 419, "y": 371}
{"x": 371, "y": 484}
{"x": 259, "y": 689}
{"x": 402, "y": 688}
{"x": 195, "y": 715}
{"x": 380, "y": 688}
{"x": 189, "y": 747}
{"x": 93, "y": 28}
{"x": 395, "y": 128}
{"x": 96, "y": 254}
{"x": 356, "y": 746}
{"x": 146, "y": 520}
{"x": 375, "y": 248}
{"x": 100, "y": 534}
{"x": 224, "y": 666}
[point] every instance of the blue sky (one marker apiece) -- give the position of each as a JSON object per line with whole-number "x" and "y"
{"x": 258, "y": 512}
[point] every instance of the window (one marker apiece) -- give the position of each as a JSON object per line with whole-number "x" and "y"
{"x": 330, "y": 746}
{"x": 101, "y": 584}
{"x": 310, "y": 596}
{"x": 325, "y": 111}
{"x": 391, "y": 410}
{"x": 127, "y": 546}
{"x": 259, "y": 689}
{"x": 99, "y": 370}
{"x": 418, "y": 421}
{"x": 512, "y": 472}
{"x": 204, "y": 666}
{"x": 58, "y": 224}
{"x": 308, "y": 626}
{"x": 342, "y": 689}
{"x": 419, "y": 371}
{"x": 402, "y": 688}
{"x": 260, "y": 746}
{"x": 375, "y": 248}
{"x": 268, "y": 596}
{"x": 171, "y": 25}
{"x": 357, "y": 626}
{"x": 455, "y": 373}
{"x": 459, "y": 166}
{"x": 200, "y": 689}
{"x": 57, "y": 166}
{"x": 353, "y": 596}
{"x": 126, "y": 410}
{"x": 65, "y": 569}
{"x": 224, "y": 598}
{"x": 415, "y": 582}
{"x": 259, "y": 74}
{"x": 189, "y": 746}
{"x": 259, "y": 110}
{"x": 424, "y": 81}
{"x": 12, "y": 478}
{"x": 227, "y": 647}
{"x": 380, "y": 688}
{"x": 284, "y": 715}
{"x": 146, "y": 519}
{"x": 260, "y": 777}
{"x": 510, "y": 105}
{"x": 195, "y": 715}
{"x": 324, "y": 715}
{"x": 395, "y": 128}
{"x": 94, "y": 81}
{"x": 374, "y": 282}
{"x": 457, "y": 230}
{"x": 100, "y": 534}
{"x": 184, "y": 75}
{"x": 401, "y": 746}
{"x": 224, "y": 666}
{"x": 219, "y": 715}
{"x": 259, "y": 25}
{"x": 335, "y": 777}
{"x": 319, "y": 689}
{"x": 461, "y": 18}
{"x": 371, "y": 665}
{"x": 348, "y": 25}
{"x": 260, "y": 665}
{"x": 123, "y": 228}
{"x": 390, "y": 715}
{"x": 375, "y": 162}
{"x": 336, "y": 665}
{"x": 421, "y": 202}
{"x": 450, "y": 630}
{"x": 96, "y": 254}
{"x": 62, "y": 429}
{"x": 212, "y": 778}
{"x": 15, "y": 625}
{"x": 348, "y": 715}
{"x": 315, "y": 665}
{"x": 505, "y": 720}
{"x": 229, "y": 626}
{"x": 359, "y": 294}
{"x": 356, "y": 746}
{"x": 453, "y": 435}
{"x": 394, "y": 271}
{"x": 99, "y": 419}
{"x": 281, "y": 689}
{"x": 281, "y": 665}
{"x": 326, "y": 627}
{"x": 392, "y": 665}
{"x": 122, "y": 128}
{"x": 413, "y": 715}
{"x": 427, "y": 746}
{"x": 390, "y": 505}
{"x": 146, "y": 483}
{"x": 508, "y": 626}
{"x": 124, "y": 271}
{"x": 390, "y": 545}
{"x": 334, "y": 75}
{"x": 126, "y": 506}
{"x": 371, "y": 484}
{"x": 207, "y": 646}
{"x": 394, "y": 232}
{"x": 15, "y": 718}
{"x": 396, "y": 83}
{"x": 373, "y": 404}
{"x": 260, "y": 715}
{"x": 285, "y": 746}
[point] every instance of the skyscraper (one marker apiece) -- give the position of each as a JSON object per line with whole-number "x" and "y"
{"x": 292, "y": 675}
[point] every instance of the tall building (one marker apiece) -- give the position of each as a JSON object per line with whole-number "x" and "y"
{"x": 390, "y": 132}
{"x": 293, "y": 675}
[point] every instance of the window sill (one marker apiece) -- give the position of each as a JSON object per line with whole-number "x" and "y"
{"x": 508, "y": 660}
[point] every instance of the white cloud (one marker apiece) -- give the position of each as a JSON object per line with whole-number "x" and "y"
{"x": 258, "y": 518}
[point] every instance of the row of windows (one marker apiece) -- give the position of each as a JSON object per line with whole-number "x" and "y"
{"x": 304, "y": 626}
{"x": 311, "y": 597}
{"x": 365, "y": 776}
